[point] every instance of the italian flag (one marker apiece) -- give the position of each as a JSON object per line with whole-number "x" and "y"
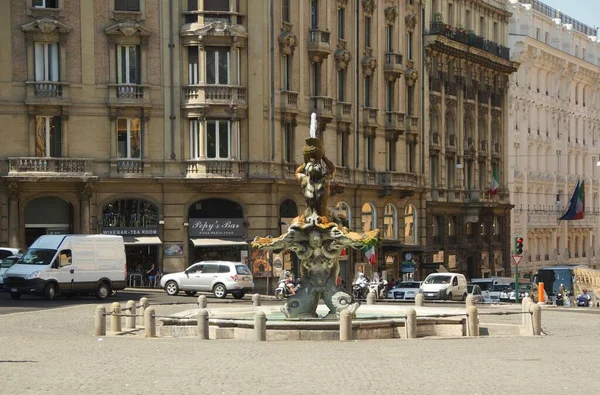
{"x": 370, "y": 254}
{"x": 494, "y": 186}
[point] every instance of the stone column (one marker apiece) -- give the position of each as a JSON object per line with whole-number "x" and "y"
{"x": 13, "y": 215}
{"x": 84, "y": 201}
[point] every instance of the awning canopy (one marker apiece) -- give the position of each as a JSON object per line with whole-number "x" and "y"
{"x": 217, "y": 242}
{"x": 142, "y": 240}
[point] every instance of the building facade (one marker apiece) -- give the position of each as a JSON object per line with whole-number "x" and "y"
{"x": 181, "y": 127}
{"x": 553, "y": 123}
{"x": 467, "y": 67}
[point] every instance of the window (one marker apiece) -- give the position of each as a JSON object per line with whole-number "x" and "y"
{"x": 216, "y": 5}
{"x": 210, "y": 269}
{"x": 286, "y": 73}
{"x": 126, "y": 5}
{"x": 450, "y": 170}
{"x": 451, "y": 14}
{"x": 469, "y": 175}
{"x": 537, "y": 34}
{"x": 129, "y": 138}
{"x": 48, "y": 137}
{"x": 195, "y": 269}
{"x": 583, "y": 53}
{"x": 195, "y": 133}
{"x": 316, "y": 78}
{"x": 482, "y": 26}
{"x": 495, "y": 32}
{"x": 217, "y": 65}
{"x": 391, "y": 155}
{"x": 468, "y": 19}
{"x": 288, "y": 141}
{"x": 433, "y": 162}
{"x": 46, "y": 62}
{"x": 411, "y": 157}
{"x": 389, "y": 38}
{"x": 409, "y": 45}
{"x": 390, "y": 219}
{"x": 368, "y": 91}
{"x": 389, "y": 96}
{"x": 223, "y": 269}
{"x": 343, "y": 148}
{"x": 314, "y": 14}
{"x": 409, "y": 100}
{"x": 45, "y": 3}
{"x": 370, "y": 152}
{"x": 341, "y": 20}
{"x": 547, "y": 38}
{"x": 341, "y": 85}
{"x": 193, "y": 69}
{"x": 483, "y": 177}
{"x": 217, "y": 139}
{"x": 367, "y": 31}
{"x": 285, "y": 10}
{"x": 65, "y": 258}
{"x": 128, "y": 64}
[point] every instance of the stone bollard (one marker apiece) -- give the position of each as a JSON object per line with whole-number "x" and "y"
{"x": 469, "y": 301}
{"x": 115, "y": 317}
{"x": 536, "y": 318}
{"x": 100, "y": 322}
{"x": 345, "y": 326}
{"x": 594, "y": 300}
{"x": 419, "y": 300}
{"x": 411, "y": 323}
{"x": 202, "y": 302}
{"x": 203, "y": 324}
{"x": 144, "y": 304}
{"x": 525, "y": 309}
{"x": 472, "y": 321}
{"x": 256, "y": 300}
{"x": 131, "y": 318}
{"x": 149, "y": 322}
{"x": 260, "y": 326}
{"x": 371, "y": 298}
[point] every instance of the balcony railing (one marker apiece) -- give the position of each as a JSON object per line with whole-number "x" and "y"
{"x": 323, "y": 106}
{"x": 214, "y": 94}
{"x": 130, "y": 166}
{"x": 318, "y": 44}
{"x": 289, "y": 101}
{"x": 435, "y": 84}
{"x": 207, "y": 17}
{"x": 197, "y": 168}
{"x": 469, "y": 38}
{"x": 60, "y": 166}
{"x": 344, "y": 110}
{"x": 130, "y": 91}
{"x": 496, "y": 148}
{"x": 48, "y": 89}
{"x": 393, "y": 65}
{"x": 452, "y": 140}
{"x": 434, "y": 139}
{"x": 451, "y": 88}
{"x": 469, "y": 93}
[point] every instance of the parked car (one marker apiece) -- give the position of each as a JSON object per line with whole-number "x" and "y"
{"x": 527, "y": 289}
{"x": 445, "y": 286}
{"x": 475, "y": 291}
{"x": 5, "y": 264}
{"x": 218, "y": 277}
{"x": 5, "y": 252}
{"x": 493, "y": 295}
{"x": 406, "y": 290}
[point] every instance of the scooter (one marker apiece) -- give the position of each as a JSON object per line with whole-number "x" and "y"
{"x": 560, "y": 299}
{"x": 360, "y": 287}
{"x": 583, "y": 301}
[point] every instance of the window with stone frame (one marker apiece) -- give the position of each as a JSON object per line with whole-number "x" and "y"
{"x": 450, "y": 172}
{"x": 218, "y": 139}
{"x": 219, "y": 6}
{"x": 129, "y": 138}
{"x": 285, "y": 10}
{"x": 389, "y": 38}
{"x": 391, "y": 155}
{"x": 47, "y": 61}
{"x": 127, "y": 5}
{"x": 341, "y": 83}
{"x": 288, "y": 141}
{"x": 370, "y": 147}
{"x": 483, "y": 184}
{"x": 193, "y": 66}
{"x": 389, "y": 96}
{"x": 286, "y": 72}
{"x": 434, "y": 170}
{"x": 343, "y": 148}
{"x": 368, "y": 88}
{"x": 390, "y": 222}
{"x": 48, "y": 136}
{"x": 218, "y": 65}
{"x": 129, "y": 64}
{"x": 195, "y": 138}
{"x": 341, "y": 23}
{"x": 44, "y": 3}
{"x": 367, "y": 27}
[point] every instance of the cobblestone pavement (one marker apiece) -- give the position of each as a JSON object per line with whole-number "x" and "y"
{"x": 54, "y": 352}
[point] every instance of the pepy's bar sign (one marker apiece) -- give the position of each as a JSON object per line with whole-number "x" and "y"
{"x": 216, "y": 227}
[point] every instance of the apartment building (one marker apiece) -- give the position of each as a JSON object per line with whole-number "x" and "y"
{"x": 553, "y": 124}
{"x": 179, "y": 124}
{"x": 467, "y": 68}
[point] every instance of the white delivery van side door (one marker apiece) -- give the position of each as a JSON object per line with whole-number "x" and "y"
{"x": 63, "y": 270}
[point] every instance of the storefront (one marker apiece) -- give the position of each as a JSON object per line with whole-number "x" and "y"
{"x": 48, "y": 215}
{"x": 137, "y": 221}
{"x": 216, "y": 231}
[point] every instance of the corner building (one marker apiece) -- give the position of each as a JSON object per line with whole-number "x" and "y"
{"x": 181, "y": 128}
{"x": 467, "y": 67}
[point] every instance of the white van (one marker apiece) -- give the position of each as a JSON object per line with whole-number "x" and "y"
{"x": 69, "y": 265}
{"x": 444, "y": 286}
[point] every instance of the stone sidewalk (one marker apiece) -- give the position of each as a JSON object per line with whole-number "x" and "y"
{"x": 54, "y": 352}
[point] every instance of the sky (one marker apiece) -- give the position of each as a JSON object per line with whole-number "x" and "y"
{"x": 586, "y": 11}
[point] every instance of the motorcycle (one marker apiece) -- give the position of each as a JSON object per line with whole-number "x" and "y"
{"x": 379, "y": 288}
{"x": 560, "y": 299}
{"x": 283, "y": 290}
{"x": 583, "y": 300}
{"x": 360, "y": 286}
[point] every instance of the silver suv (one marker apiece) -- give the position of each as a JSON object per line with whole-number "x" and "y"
{"x": 218, "y": 277}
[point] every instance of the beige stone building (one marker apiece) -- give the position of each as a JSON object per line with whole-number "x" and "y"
{"x": 179, "y": 124}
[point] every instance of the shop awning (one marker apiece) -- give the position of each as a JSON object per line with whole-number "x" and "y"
{"x": 142, "y": 240}
{"x": 217, "y": 242}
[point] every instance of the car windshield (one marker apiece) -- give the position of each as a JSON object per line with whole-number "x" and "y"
{"x": 37, "y": 256}
{"x": 242, "y": 269}
{"x": 485, "y": 285}
{"x": 498, "y": 287}
{"x": 438, "y": 280}
{"x": 408, "y": 285}
{"x": 470, "y": 289}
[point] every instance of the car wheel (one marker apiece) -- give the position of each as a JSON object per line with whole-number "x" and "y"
{"x": 171, "y": 288}
{"x": 278, "y": 294}
{"x": 450, "y": 296}
{"x": 220, "y": 291}
{"x": 190, "y": 293}
{"x": 50, "y": 291}
{"x": 102, "y": 291}
{"x": 15, "y": 295}
{"x": 238, "y": 295}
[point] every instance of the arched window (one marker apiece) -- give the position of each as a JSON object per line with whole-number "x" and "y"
{"x": 390, "y": 222}
{"x": 369, "y": 217}
{"x": 483, "y": 132}
{"x": 410, "y": 225}
{"x": 450, "y": 129}
{"x": 469, "y": 130}
{"x": 342, "y": 212}
{"x": 288, "y": 210}
{"x": 129, "y": 213}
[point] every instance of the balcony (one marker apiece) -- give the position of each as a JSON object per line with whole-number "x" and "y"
{"x": 483, "y": 97}
{"x": 394, "y": 122}
{"x": 496, "y": 150}
{"x": 412, "y": 124}
{"x": 483, "y": 146}
{"x": 398, "y": 180}
{"x": 344, "y": 111}
{"x": 451, "y": 89}
{"x": 469, "y": 93}
{"x": 323, "y": 107}
{"x": 128, "y": 168}
{"x": 392, "y": 68}
{"x": 47, "y": 93}
{"x": 451, "y": 143}
{"x": 342, "y": 175}
{"x": 49, "y": 167}
{"x": 121, "y": 95}
{"x": 434, "y": 141}
{"x": 435, "y": 84}
{"x": 319, "y": 47}
{"x": 229, "y": 169}
{"x": 469, "y": 39}
{"x": 224, "y": 95}
{"x": 370, "y": 116}
{"x": 289, "y": 102}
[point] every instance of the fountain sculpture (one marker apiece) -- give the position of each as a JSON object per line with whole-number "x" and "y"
{"x": 317, "y": 237}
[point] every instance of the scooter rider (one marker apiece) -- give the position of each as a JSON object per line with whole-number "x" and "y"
{"x": 289, "y": 282}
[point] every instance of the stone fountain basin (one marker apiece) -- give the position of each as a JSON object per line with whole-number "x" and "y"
{"x": 371, "y": 322}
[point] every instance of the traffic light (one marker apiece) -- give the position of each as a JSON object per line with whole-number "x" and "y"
{"x": 518, "y": 245}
